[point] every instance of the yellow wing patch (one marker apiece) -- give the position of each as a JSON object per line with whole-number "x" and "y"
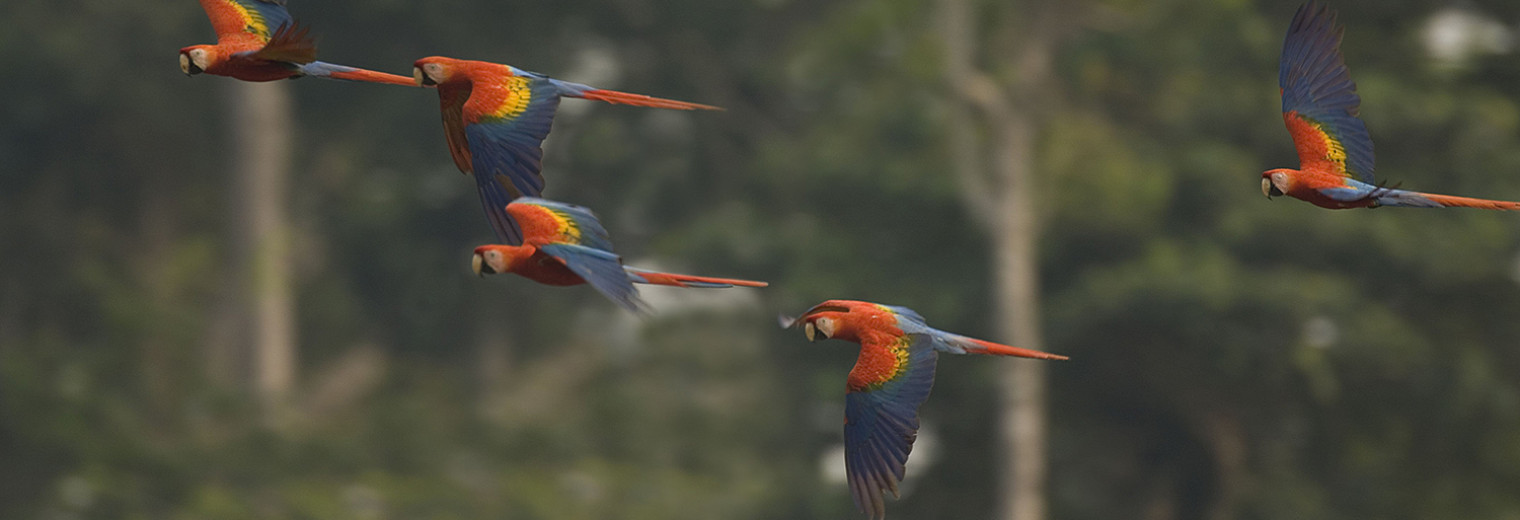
{"x": 1317, "y": 148}
{"x": 879, "y": 365}
{"x": 519, "y": 92}
{"x": 899, "y": 349}
{"x": 253, "y": 22}
{"x": 1334, "y": 151}
{"x": 568, "y": 229}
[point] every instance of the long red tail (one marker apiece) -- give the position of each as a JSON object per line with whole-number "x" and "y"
{"x": 624, "y": 98}
{"x": 1452, "y": 201}
{"x": 683, "y": 280}
{"x": 976, "y": 346}
{"x": 370, "y": 76}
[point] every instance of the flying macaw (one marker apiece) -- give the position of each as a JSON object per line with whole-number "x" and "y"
{"x": 496, "y": 117}
{"x": 564, "y": 244}
{"x": 257, "y": 40}
{"x": 890, "y": 380}
{"x": 1320, "y": 106}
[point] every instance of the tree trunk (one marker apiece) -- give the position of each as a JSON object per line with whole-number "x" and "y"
{"x": 1016, "y": 260}
{"x": 1003, "y": 199}
{"x": 261, "y": 144}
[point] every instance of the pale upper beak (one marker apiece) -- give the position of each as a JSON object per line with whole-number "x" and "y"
{"x": 1266, "y": 187}
{"x": 184, "y": 64}
{"x": 809, "y": 330}
{"x": 476, "y": 263}
{"x": 422, "y": 79}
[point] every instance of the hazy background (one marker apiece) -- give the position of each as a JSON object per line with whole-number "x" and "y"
{"x": 1231, "y": 357}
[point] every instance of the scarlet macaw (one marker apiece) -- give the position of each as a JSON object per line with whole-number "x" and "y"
{"x": 564, "y": 244}
{"x": 496, "y": 117}
{"x": 890, "y": 380}
{"x": 1320, "y": 105}
{"x": 256, "y": 40}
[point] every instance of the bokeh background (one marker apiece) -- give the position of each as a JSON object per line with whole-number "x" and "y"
{"x": 195, "y": 324}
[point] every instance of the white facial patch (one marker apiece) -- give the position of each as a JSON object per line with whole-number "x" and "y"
{"x": 198, "y": 57}
{"x": 825, "y": 326}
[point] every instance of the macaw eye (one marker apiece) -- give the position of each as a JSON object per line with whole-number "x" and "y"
{"x": 495, "y": 255}
{"x": 433, "y": 69}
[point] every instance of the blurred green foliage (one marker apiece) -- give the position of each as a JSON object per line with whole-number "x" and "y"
{"x": 1232, "y": 357}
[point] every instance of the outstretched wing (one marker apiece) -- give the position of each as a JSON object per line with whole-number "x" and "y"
{"x": 881, "y": 415}
{"x": 246, "y": 18}
{"x": 1319, "y": 100}
{"x": 505, "y": 123}
{"x": 495, "y": 193}
{"x": 548, "y": 222}
{"x": 602, "y": 269}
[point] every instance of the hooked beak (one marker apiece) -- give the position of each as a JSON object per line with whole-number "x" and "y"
{"x": 478, "y": 263}
{"x": 810, "y": 331}
{"x": 1268, "y": 189}
{"x": 188, "y": 67}
{"x": 422, "y": 79}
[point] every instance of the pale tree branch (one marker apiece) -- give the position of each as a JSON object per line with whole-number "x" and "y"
{"x": 969, "y": 89}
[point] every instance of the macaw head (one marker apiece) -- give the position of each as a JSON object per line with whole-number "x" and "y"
{"x": 827, "y": 320}
{"x": 1275, "y": 183}
{"x": 824, "y": 326}
{"x": 491, "y": 259}
{"x": 431, "y": 71}
{"x": 195, "y": 59}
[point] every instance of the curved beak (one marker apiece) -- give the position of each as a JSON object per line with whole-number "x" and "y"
{"x": 810, "y": 331}
{"x": 1267, "y": 188}
{"x": 422, "y": 79}
{"x": 478, "y": 264}
{"x": 186, "y": 66}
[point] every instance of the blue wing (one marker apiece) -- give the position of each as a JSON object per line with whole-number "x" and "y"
{"x": 494, "y": 198}
{"x": 266, "y": 16}
{"x": 506, "y": 152}
{"x": 602, "y": 269}
{"x": 272, "y": 12}
{"x": 881, "y": 425}
{"x": 1317, "y": 88}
